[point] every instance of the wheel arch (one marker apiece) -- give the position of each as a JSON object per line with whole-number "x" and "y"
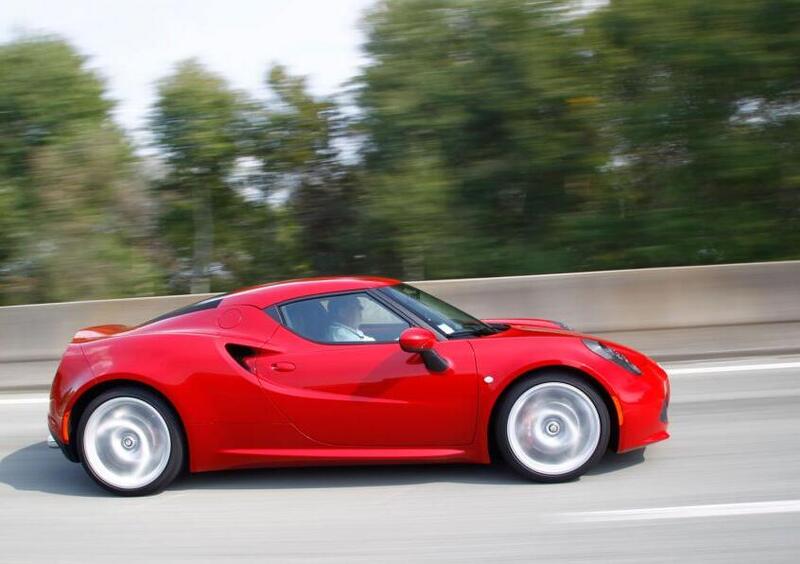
{"x": 82, "y": 402}
{"x": 587, "y": 378}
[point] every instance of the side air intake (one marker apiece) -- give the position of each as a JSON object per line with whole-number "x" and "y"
{"x": 243, "y": 355}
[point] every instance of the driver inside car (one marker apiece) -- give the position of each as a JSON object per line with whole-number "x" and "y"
{"x": 345, "y": 314}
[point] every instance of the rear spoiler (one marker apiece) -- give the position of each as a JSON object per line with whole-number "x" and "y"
{"x": 98, "y": 332}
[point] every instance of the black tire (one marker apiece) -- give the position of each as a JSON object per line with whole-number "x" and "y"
{"x": 525, "y": 384}
{"x": 177, "y": 448}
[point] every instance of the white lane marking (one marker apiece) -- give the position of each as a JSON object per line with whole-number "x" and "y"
{"x": 733, "y": 396}
{"x": 24, "y": 401}
{"x": 732, "y": 368}
{"x": 686, "y": 511}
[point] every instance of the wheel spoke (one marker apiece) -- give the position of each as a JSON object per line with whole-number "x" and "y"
{"x": 126, "y": 443}
{"x": 553, "y": 428}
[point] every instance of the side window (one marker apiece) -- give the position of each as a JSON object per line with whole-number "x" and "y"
{"x": 348, "y": 318}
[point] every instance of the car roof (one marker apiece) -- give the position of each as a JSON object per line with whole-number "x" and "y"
{"x": 277, "y": 292}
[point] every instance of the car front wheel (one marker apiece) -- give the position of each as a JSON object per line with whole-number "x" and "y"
{"x": 130, "y": 442}
{"x": 552, "y": 427}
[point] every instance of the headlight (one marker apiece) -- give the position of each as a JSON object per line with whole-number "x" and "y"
{"x": 610, "y": 354}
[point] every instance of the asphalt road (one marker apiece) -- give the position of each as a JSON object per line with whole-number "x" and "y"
{"x": 725, "y": 487}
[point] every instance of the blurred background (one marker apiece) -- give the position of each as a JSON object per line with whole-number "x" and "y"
{"x": 165, "y": 147}
{"x": 441, "y": 139}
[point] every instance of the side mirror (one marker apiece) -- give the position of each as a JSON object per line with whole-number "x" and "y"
{"x": 417, "y": 340}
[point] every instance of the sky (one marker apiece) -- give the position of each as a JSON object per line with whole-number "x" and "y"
{"x": 133, "y": 43}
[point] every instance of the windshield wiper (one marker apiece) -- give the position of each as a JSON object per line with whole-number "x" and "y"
{"x": 478, "y": 330}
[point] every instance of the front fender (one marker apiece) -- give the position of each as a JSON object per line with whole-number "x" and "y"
{"x": 507, "y": 360}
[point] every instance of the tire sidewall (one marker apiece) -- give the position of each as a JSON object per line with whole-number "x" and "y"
{"x": 177, "y": 448}
{"x": 526, "y": 383}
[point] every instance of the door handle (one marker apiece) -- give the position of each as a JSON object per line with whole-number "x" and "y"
{"x": 283, "y": 366}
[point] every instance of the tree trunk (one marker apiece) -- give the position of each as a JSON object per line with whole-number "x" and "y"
{"x": 203, "y": 237}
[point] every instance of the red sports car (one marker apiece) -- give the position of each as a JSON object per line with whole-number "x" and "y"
{"x": 343, "y": 371}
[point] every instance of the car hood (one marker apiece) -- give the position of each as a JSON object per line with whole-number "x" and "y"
{"x": 527, "y": 327}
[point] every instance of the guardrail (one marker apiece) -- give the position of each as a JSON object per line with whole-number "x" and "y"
{"x": 678, "y": 311}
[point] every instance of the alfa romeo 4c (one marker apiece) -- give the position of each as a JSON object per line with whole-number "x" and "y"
{"x": 351, "y": 370}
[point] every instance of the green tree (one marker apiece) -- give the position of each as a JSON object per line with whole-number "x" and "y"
{"x": 479, "y": 139}
{"x": 486, "y": 98}
{"x": 700, "y": 112}
{"x": 93, "y": 226}
{"x": 195, "y": 127}
{"x": 296, "y": 143}
{"x": 46, "y": 92}
{"x": 73, "y": 219}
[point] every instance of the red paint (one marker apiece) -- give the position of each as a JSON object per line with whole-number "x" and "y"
{"x": 91, "y": 333}
{"x": 293, "y": 401}
{"x": 230, "y": 318}
{"x": 417, "y": 339}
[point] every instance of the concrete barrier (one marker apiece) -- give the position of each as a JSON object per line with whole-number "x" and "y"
{"x": 627, "y": 300}
{"x": 668, "y": 312}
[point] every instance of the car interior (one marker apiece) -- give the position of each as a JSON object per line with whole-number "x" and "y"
{"x": 311, "y": 319}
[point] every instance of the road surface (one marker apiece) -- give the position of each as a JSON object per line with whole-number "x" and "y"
{"x": 725, "y": 487}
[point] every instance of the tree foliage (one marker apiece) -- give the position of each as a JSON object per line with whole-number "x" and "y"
{"x": 478, "y": 139}
{"x": 700, "y": 108}
{"x": 75, "y": 220}
{"x": 477, "y": 98}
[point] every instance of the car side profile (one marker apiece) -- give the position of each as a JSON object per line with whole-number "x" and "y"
{"x": 345, "y": 370}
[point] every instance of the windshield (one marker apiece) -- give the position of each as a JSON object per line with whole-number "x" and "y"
{"x": 450, "y": 320}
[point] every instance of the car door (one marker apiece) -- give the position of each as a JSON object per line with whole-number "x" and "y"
{"x": 355, "y": 387}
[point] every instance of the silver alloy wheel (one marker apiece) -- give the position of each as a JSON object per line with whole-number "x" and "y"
{"x": 553, "y": 428}
{"x": 126, "y": 443}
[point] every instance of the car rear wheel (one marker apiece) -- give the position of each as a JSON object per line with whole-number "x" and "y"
{"x": 130, "y": 442}
{"x": 552, "y": 427}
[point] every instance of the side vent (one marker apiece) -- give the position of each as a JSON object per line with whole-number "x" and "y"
{"x": 243, "y": 355}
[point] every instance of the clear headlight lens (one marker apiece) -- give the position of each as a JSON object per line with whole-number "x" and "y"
{"x": 610, "y": 354}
